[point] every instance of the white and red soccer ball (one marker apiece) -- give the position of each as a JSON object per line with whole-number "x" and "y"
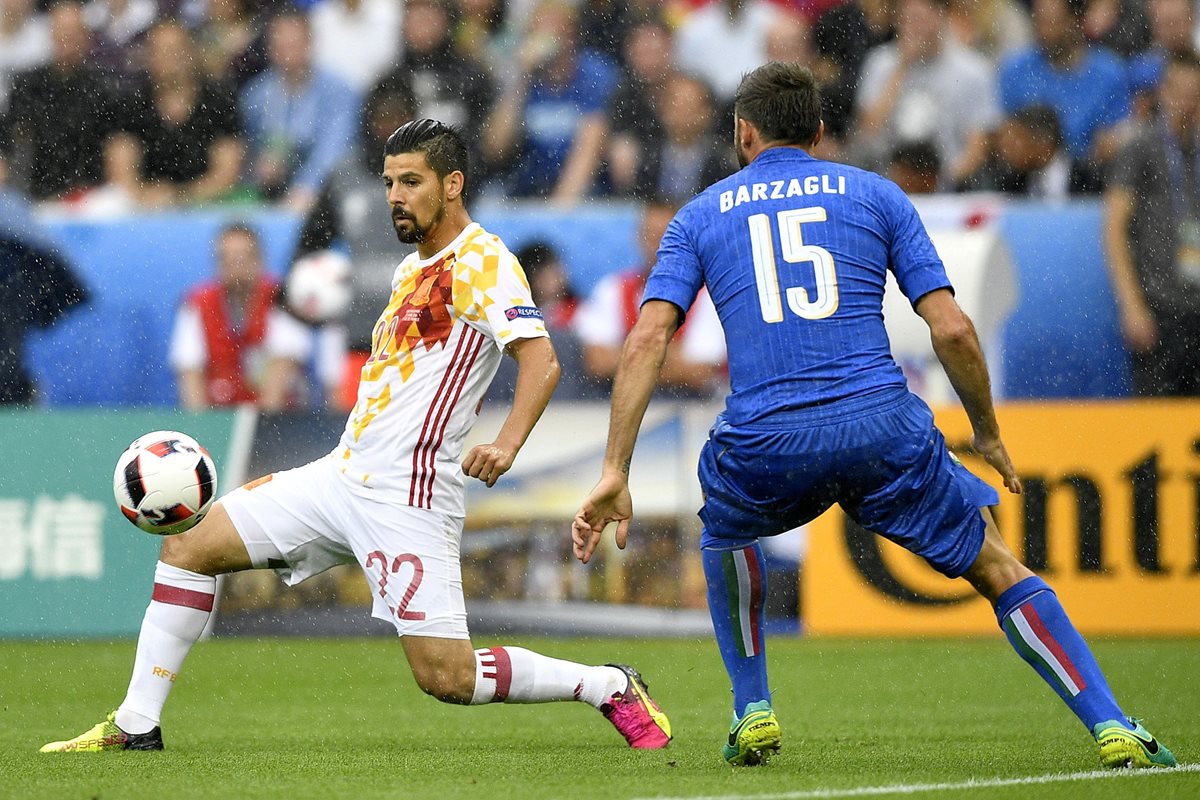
{"x": 318, "y": 286}
{"x": 165, "y": 482}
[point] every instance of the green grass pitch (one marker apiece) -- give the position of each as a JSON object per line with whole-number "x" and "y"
{"x": 341, "y": 718}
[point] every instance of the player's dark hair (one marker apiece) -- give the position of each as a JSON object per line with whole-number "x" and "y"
{"x": 1041, "y": 121}
{"x": 782, "y": 101}
{"x": 442, "y": 145}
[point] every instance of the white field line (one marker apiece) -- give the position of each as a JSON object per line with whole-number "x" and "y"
{"x": 915, "y": 788}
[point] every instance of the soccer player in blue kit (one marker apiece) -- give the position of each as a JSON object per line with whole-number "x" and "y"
{"x": 794, "y": 252}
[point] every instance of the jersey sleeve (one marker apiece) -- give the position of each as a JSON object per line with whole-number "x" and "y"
{"x": 914, "y": 261}
{"x": 508, "y": 305}
{"x": 677, "y": 273}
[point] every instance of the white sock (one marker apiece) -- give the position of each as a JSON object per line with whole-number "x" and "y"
{"x": 517, "y": 675}
{"x": 178, "y": 611}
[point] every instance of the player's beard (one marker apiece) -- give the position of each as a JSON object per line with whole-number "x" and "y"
{"x": 417, "y": 233}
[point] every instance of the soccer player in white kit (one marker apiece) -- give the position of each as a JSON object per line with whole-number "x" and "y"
{"x": 390, "y": 497}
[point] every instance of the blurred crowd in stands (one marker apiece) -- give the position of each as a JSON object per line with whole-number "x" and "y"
{"x": 150, "y": 104}
{"x": 168, "y": 102}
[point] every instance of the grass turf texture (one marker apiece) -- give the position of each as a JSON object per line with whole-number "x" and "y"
{"x": 341, "y": 718}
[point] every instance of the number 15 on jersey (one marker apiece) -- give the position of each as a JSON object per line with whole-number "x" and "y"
{"x": 795, "y": 251}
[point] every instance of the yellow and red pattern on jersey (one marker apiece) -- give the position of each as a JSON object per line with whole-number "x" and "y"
{"x": 434, "y": 351}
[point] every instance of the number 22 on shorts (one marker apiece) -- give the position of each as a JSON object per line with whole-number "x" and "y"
{"x": 418, "y": 572}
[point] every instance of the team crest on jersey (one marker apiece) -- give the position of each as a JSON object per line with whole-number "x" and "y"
{"x": 523, "y": 312}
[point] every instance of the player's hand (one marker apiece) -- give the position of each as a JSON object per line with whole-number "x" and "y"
{"x": 488, "y": 462}
{"x": 995, "y": 454}
{"x": 608, "y": 502}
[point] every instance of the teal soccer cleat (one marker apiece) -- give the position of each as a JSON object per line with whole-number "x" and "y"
{"x": 754, "y": 738}
{"x": 1121, "y": 747}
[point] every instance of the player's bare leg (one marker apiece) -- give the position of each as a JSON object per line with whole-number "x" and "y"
{"x": 453, "y": 671}
{"x": 212, "y": 548}
{"x": 180, "y": 606}
{"x": 1040, "y": 631}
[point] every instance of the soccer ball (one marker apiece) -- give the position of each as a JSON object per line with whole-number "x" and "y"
{"x": 165, "y": 482}
{"x": 318, "y": 286}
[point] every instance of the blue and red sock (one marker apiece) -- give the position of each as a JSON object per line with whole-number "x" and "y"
{"x": 1040, "y": 631}
{"x": 737, "y": 584}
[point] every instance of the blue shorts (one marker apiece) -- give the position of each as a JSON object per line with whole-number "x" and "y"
{"x": 887, "y": 466}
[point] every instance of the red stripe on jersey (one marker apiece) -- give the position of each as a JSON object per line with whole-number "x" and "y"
{"x": 477, "y": 345}
{"x": 175, "y": 596}
{"x": 427, "y": 449}
{"x": 412, "y": 489}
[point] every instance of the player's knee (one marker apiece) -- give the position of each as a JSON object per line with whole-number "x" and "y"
{"x": 996, "y": 571}
{"x": 176, "y": 552}
{"x": 184, "y": 551}
{"x": 450, "y": 683}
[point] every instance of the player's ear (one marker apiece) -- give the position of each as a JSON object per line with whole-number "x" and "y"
{"x": 744, "y": 133}
{"x": 453, "y": 184}
{"x": 820, "y": 133}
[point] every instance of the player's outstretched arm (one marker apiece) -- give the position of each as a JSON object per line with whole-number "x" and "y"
{"x": 637, "y": 374}
{"x": 957, "y": 347}
{"x": 537, "y": 375}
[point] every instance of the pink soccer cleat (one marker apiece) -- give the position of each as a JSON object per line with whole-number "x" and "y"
{"x": 636, "y": 715}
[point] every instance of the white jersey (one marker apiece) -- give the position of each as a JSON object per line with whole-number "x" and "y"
{"x": 434, "y": 351}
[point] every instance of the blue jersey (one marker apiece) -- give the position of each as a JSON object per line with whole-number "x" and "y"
{"x": 795, "y": 253}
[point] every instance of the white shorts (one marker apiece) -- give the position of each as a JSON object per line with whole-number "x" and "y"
{"x": 303, "y": 521}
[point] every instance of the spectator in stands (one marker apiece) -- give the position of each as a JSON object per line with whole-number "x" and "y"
{"x": 37, "y": 286}
{"x": 1172, "y": 29}
{"x": 691, "y": 154}
{"x": 24, "y": 42}
{"x": 118, "y": 27}
{"x": 925, "y": 87}
{"x": 230, "y": 343}
{"x": 1120, "y": 25}
{"x": 1152, "y": 238}
{"x": 635, "y": 123}
{"x": 299, "y": 120}
{"x": 181, "y": 139}
{"x": 356, "y": 40}
{"x": 1087, "y": 86}
{"x": 547, "y": 131}
{"x": 550, "y": 287}
{"x": 62, "y": 114}
{"x": 992, "y": 28}
{"x": 349, "y": 216}
{"x": 448, "y": 85}
{"x": 603, "y": 26}
{"x": 1026, "y": 157}
{"x": 231, "y": 43}
{"x": 695, "y": 360}
{"x": 483, "y": 30}
{"x": 723, "y": 40}
{"x": 843, "y": 36}
{"x": 790, "y": 39}
{"x": 915, "y": 167}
